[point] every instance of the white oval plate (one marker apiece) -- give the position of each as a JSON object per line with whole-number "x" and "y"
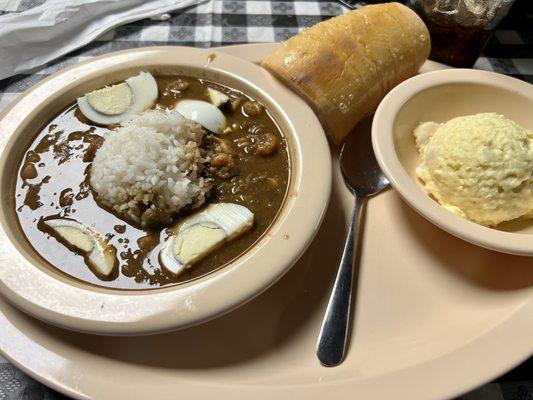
{"x": 435, "y": 317}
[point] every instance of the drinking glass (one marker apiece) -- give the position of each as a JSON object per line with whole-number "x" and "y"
{"x": 460, "y": 29}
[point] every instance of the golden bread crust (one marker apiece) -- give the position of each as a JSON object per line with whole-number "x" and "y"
{"x": 343, "y": 67}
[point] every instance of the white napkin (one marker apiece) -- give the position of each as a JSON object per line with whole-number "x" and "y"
{"x": 34, "y": 37}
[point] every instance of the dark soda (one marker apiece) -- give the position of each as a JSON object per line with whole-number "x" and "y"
{"x": 455, "y": 45}
{"x": 458, "y": 36}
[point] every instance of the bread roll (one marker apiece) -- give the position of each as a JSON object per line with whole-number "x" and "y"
{"x": 344, "y": 66}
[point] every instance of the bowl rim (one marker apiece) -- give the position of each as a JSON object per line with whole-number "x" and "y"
{"x": 409, "y": 190}
{"x": 99, "y": 310}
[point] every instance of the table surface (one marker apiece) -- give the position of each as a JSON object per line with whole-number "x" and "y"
{"x": 229, "y": 22}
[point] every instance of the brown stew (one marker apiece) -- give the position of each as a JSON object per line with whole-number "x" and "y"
{"x": 249, "y": 166}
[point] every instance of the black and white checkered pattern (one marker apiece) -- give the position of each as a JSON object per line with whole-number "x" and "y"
{"x": 226, "y": 22}
{"x": 210, "y": 24}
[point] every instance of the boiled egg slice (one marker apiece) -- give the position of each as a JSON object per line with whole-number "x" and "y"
{"x": 116, "y": 103}
{"x": 202, "y": 233}
{"x": 206, "y": 114}
{"x": 111, "y": 100}
{"x": 100, "y": 254}
{"x": 217, "y": 97}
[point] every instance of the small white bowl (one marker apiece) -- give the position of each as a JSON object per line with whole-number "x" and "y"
{"x": 439, "y": 96}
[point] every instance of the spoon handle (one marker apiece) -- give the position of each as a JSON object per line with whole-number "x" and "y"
{"x": 333, "y": 335}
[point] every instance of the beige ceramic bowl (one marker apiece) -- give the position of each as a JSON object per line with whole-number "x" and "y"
{"x": 440, "y": 96}
{"x": 31, "y": 285}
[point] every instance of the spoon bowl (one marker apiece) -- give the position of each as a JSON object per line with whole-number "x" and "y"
{"x": 359, "y": 167}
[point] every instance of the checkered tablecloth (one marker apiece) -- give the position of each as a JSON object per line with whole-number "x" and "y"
{"x": 227, "y": 22}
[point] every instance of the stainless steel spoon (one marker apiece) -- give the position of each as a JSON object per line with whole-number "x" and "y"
{"x": 363, "y": 176}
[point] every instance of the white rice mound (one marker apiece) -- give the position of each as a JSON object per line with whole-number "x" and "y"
{"x": 149, "y": 168}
